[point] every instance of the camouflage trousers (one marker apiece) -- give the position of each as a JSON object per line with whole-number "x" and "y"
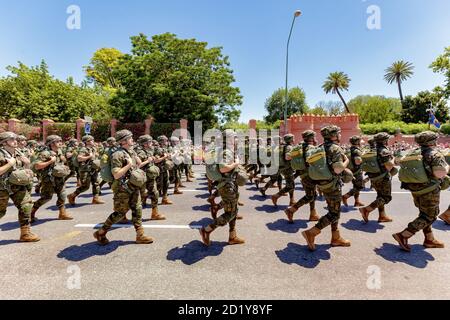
{"x": 383, "y": 187}
{"x": 123, "y": 201}
{"x": 88, "y": 178}
{"x": 176, "y": 175}
{"x": 309, "y": 186}
{"x": 48, "y": 189}
{"x": 428, "y": 205}
{"x": 73, "y": 171}
{"x": 163, "y": 182}
{"x": 358, "y": 185}
{"x": 21, "y": 198}
{"x": 288, "y": 175}
{"x": 150, "y": 190}
{"x": 333, "y": 196}
{"x": 230, "y": 196}
{"x": 273, "y": 179}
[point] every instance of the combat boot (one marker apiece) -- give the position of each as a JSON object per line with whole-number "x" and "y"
{"x": 205, "y": 236}
{"x": 263, "y": 192}
{"x": 189, "y": 179}
{"x": 384, "y": 218}
{"x": 275, "y": 198}
{"x": 290, "y": 214}
{"x": 239, "y": 217}
{"x": 345, "y": 199}
{"x": 240, "y": 204}
{"x": 27, "y": 236}
{"x": 309, "y": 236}
{"x": 63, "y": 215}
{"x": 313, "y": 216}
{"x": 96, "y": 200}
{"x": 177, "y": 191}
{"x": 365, "y": 213}
{"x": 156, "y": 216}
{"x": 100, "y": 235}
{"x": 402, "y": 239}
{"x": 431, "y": 243}
{"x": 166, "y": 201}
{"x": 358, "y": 204}
{"x": 338, "y": 241}
{"x": 445, "y": 216}
{"x": 141, "y": 238}
{"x": 234, "y": 239}
{"x": 33, "y": 218}
{"x": 71, "y": 198}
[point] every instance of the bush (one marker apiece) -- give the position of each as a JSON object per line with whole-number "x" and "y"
{"x": 138, "y": 129}
{"x": 445, "y": 128}
{"x": 101, "y": 131}
{"x": 66, "y": 131}
{"x": 391, "y": 127}
{"x": 163, "y": 129}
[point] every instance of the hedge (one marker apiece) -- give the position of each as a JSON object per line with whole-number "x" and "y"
{"x": 391, "y": 127}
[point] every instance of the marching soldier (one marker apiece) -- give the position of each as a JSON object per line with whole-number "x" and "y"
{"x": 89, "y": 167}
{"x": 309, "y": 185}
{"x": 50, "y": 165}
{"x": 335, "y": 162}
{"x": 176, "y": 171}
{"x": 162, "y": 160}
{"x": 228, "y": 190}
{"x": 286, "y": 171}
{"x": 69, "y": 152}
{"x": 12, "y": 162}
{"x": 355, "y": 167}
{"x": 426, "y": 195}
{"x": 126, "y": 195}
{"x": 380, "y": 179}
{"x": 145, "y": 154}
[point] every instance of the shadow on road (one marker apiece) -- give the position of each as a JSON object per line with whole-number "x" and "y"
{"x": 284, "y": 226}
{"x": 258, "y": 197}
{"x": 417, "y": 258}
{"x": 441, "y": 225}
{"x": 7, "y": 242}
{"x": 205, "y": 207}
{"x": 89, "y": 250}
{"x": 358, "y": 225}
{"x": 300, "y": 255}
{"x": 202, "y": 196}
{"x": 15, "y": 225}
{"x": 195, "y": 251}
{"x": 203, "y": 222}
{"x": 271, "y": 208}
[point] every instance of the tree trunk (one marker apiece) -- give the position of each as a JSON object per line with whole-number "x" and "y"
{"x": 400, "y": 89}
{"x": 343, "y": 101}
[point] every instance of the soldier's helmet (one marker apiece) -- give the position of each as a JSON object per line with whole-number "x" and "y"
{"x": 123, "y": 134}
{"x": 288, "y": 138}
{"x": 381, "y": 137}
{"x": 88, "y": 138}
{"x": 162, "y": 138}
{"x": 144, "y": 139}
{"x": 330, "y": 131}
{"x": 111, "y": 140}
{"x": 5, "y": 136}
{"x": 308, "y": 134}
{"x": 52, "y": 139}
{"x": 355, "y": 139}
{"x": 174, "y": 139}
{"x": 32, "y": 143}
{"x": 21, "y": 138}
{"x": 228, "y": 155}
{"x": 426, "y": 138}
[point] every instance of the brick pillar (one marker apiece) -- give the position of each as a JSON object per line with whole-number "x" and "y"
{"x": 12, "y": 125}
{"x": 113, "y": 127}
{"x": 184, "y": 128}
{"x": 45, "y": 124}
{"x": 148, "y": 125}
{"x": 80, "y": 125}
{"x": 252, "y": 129}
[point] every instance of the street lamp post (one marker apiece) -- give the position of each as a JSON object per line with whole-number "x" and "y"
{"x": 296, "y": 14}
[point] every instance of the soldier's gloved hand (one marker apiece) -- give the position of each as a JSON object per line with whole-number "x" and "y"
{"x": 12, "y": 162}
{"x": 53, "y": 159}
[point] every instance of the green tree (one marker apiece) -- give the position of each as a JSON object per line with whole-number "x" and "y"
{"x": 399, "y": 72}
{"x": 172, "y": 79}
{"x": 415, "y": 108}
{"x": 335, "y": 83}
{"x": 101, "y": 68}
{"x": 32, "y": 94}
{"x": 331, "y": 108}
{"x": 442, "y": 65}
{"x": 319, "y": 111}
{"x": 276, "y": 103}
{"x": 374, "y": 109}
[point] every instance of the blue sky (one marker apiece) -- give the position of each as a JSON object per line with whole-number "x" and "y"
{"x": 331, "y": 35}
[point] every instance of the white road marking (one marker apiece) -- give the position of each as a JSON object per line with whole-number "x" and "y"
{"x": 127, "y": 226}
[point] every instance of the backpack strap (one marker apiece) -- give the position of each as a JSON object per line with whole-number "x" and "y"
{"x": 328, "y": 158}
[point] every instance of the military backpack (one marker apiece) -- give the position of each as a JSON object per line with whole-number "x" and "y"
{"x": 318, "y": 167}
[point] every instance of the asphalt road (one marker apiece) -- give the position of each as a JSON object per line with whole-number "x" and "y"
{"x": 274, "y": 263}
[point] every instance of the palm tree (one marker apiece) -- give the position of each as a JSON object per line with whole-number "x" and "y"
{"x": 337, "y": 81}
{"x": 399, "y": 71}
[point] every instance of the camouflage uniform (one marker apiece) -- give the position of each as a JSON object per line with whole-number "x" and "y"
{"x": 358, "y": 178}
{"x": 126, "y": 195}
{"x": 381, "y": 182}
{"x": 332, "y": 190}
{"x": 309, "y": 186}
{"x": 426, "y": 196}
{"x": 163, "y": 182}
{"x": 71, "y": 148}
{"x": 49, "y": 184}
{"x": 286, "y": 171}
